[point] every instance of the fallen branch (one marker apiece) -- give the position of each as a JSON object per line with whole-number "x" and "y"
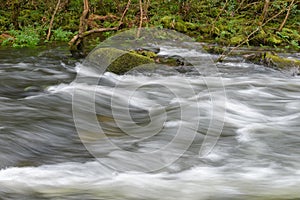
{"x": 87, "y": 33}
{"x": 52, "y": 19}
{"x": 100, "y": 30}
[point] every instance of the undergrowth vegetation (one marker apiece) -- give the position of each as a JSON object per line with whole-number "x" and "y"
{"x": 274, "y": 23}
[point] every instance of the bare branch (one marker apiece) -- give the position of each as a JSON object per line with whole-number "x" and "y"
{"x": 216, "y": 19}
{"x": 141, "y": 19}
{"x": 87, "y": 33}
{"x": 124, "y": 13}
{"x": 265, "y": 10}
{"x": 83, "y": 18}
{"x": 224, "y": 55}
{"x": 286, "y": 16}
{"x": 52, "y": 19}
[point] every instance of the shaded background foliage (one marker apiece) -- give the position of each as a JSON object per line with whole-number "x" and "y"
{"x": 227, "y": 22}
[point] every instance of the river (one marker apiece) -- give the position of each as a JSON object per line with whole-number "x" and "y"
{"x": 46, "y": 152}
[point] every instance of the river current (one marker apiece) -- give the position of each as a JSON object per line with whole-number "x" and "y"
{"x": 250, "y": 113}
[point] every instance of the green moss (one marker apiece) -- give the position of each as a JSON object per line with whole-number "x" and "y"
{"x": 168, "y": 21}
{"x": 261, "y": 36}
{"x": 273, "y": 60}
{"x": 274, "y": 40}
{"x": 118, "y": 61}
{"x": 174, "y": 22}
{"x": 181, "y": 27}
{"x": 204, "y": 20}
{"x": 148, "y": 54}
{"x": 237, "y": 39}
{"x": 191, "y": 26}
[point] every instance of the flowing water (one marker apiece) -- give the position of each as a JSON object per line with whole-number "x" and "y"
{"x": 42, "y": 155}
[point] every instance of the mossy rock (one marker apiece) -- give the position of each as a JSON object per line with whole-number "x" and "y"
{"x": 118, "y": 61}
{"x": 148, "y": 54}
{"x": 272, "y": 60}
{"x": 170, "y": 61}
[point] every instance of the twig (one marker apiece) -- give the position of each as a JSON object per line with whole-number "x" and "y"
{"x": 250, "y": 4}
{"x": 146, "y": 7}
{"x": 124, "y": 13}
{"x": 141, "y": 19}
{"x": 274, "y": 16}
{"x": 224, "y": 55}
{"x": 286, "y": 16}
{"x": 240, "y": 5}
{"x": 213, "y": 24}
{"x": 52, "y": 19}
{"x": 265, "y": 10}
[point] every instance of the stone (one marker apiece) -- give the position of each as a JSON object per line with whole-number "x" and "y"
{"x": 116, "y": 60}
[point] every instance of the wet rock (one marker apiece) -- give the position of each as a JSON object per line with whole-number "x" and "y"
{"x": 271, "y": 59}
{"x": 146, "y": 52}
{"x": 171, "y": 61}
{"x": 117, "y": 61}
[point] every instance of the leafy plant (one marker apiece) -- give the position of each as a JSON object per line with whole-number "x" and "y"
{"x": 295, "y": 44}
{"x": 61, "y": 35}
{"x": 26, "y": 37}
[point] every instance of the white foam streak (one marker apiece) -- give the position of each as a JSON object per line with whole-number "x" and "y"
{"x": 196, "y": 183}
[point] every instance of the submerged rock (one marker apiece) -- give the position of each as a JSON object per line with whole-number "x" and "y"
{"x": 116, "y": 60}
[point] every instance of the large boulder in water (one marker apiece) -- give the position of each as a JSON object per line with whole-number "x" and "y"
{"x": 116, "y": 60}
